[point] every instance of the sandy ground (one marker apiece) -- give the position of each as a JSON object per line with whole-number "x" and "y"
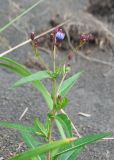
{"x": 93, "y": 94}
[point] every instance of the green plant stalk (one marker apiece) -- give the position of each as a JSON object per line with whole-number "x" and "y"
{"x": 54, "y": 102}
{"x": 54, "y": 80}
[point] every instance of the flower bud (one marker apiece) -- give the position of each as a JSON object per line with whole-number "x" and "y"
{"x": 32, "y": 36}
{"x": 70, "y": 56}
{"x": 36, "y": 43}
{"x": 52, "y": 37}
{"x": 86, "y": 37}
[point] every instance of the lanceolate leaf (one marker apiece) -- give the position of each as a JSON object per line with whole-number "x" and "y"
{"x": 90, "y": 139}
{"x": 42, "y": 149}
{"x": 81, "y": 142}
{"x": 33, "y": 77}
{"x": 71, "y": 155}
{"x": 66, "y": 124}
{"x": 31, "y": 142}
{"x": 44, "y": 92}
{"x": 60, "y": 128}
{"x": 23, "y": 71}
{"x": 17, "y": 126}
{"x": 69, "y": 83}
{"x": 40, "y": 127}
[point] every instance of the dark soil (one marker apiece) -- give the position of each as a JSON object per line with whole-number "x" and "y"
{"x": 94, "y": 92}
{"x": 104, "y": 8}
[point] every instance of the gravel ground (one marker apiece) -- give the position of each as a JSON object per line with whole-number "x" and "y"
{"x": 93, "y": 94}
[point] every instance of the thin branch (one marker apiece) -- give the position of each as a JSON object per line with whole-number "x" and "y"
{"x": 22, "y": 115}
{"x": 108, "y": 138}
{"x": 86, "y": 57}
{"x": 29, "y": 40}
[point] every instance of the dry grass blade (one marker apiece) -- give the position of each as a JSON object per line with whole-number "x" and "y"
{"x": 22, "y": 115}
{"x": 21, "y": 15}
{"x": 84, "y": 114}
{"x": 108, "y": 138}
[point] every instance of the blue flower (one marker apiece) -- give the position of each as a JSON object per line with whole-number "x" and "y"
{"x": 60, "y": 36}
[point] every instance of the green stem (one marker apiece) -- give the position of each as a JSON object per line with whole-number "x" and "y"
{"x": 54, "y": 56}
{"x": 54, "y": 80}
{"x": 54, "y": 102}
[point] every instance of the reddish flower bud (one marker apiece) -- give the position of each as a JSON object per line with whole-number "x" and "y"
{"x": 70, "y": 56}
{"x": 32, "y": 36}
{"x": 59, "y": 97}
{"x": 36, "y": 43}
{"x": 86, "y": 37}
{"x": 56, "y": 30}
{"x": 52, "y": 36}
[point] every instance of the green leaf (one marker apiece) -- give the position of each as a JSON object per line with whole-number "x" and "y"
{"x": 40, "y": 127}
{"x": 91, "y": 138}
{"x": 42, "y": 149}
{"x": 66, "y": 124}
{"x": 71, "y": 155}
{"x": 69, "y": 83}
{"x": 23, "y": 71}
{"x": 17, "y": 126}
{"x": 81, "y": 142}
{"x": 45, "y": 93}
{"x": 26, "y": 133}
{"x": 13, "y": 69}
{"x": 18, "y": 17}
{"x": 33, "y": 77}
{"x": 60, "y": 128}
{"x": 31, "y": 142}
{"x": 47, "y": 123}
{"x": 64, "y": 102}
{"x": 61, "y": 103}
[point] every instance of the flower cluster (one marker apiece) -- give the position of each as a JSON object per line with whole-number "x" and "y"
{"x": 86, "y": 37}
{"x": 57, "y": 36}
